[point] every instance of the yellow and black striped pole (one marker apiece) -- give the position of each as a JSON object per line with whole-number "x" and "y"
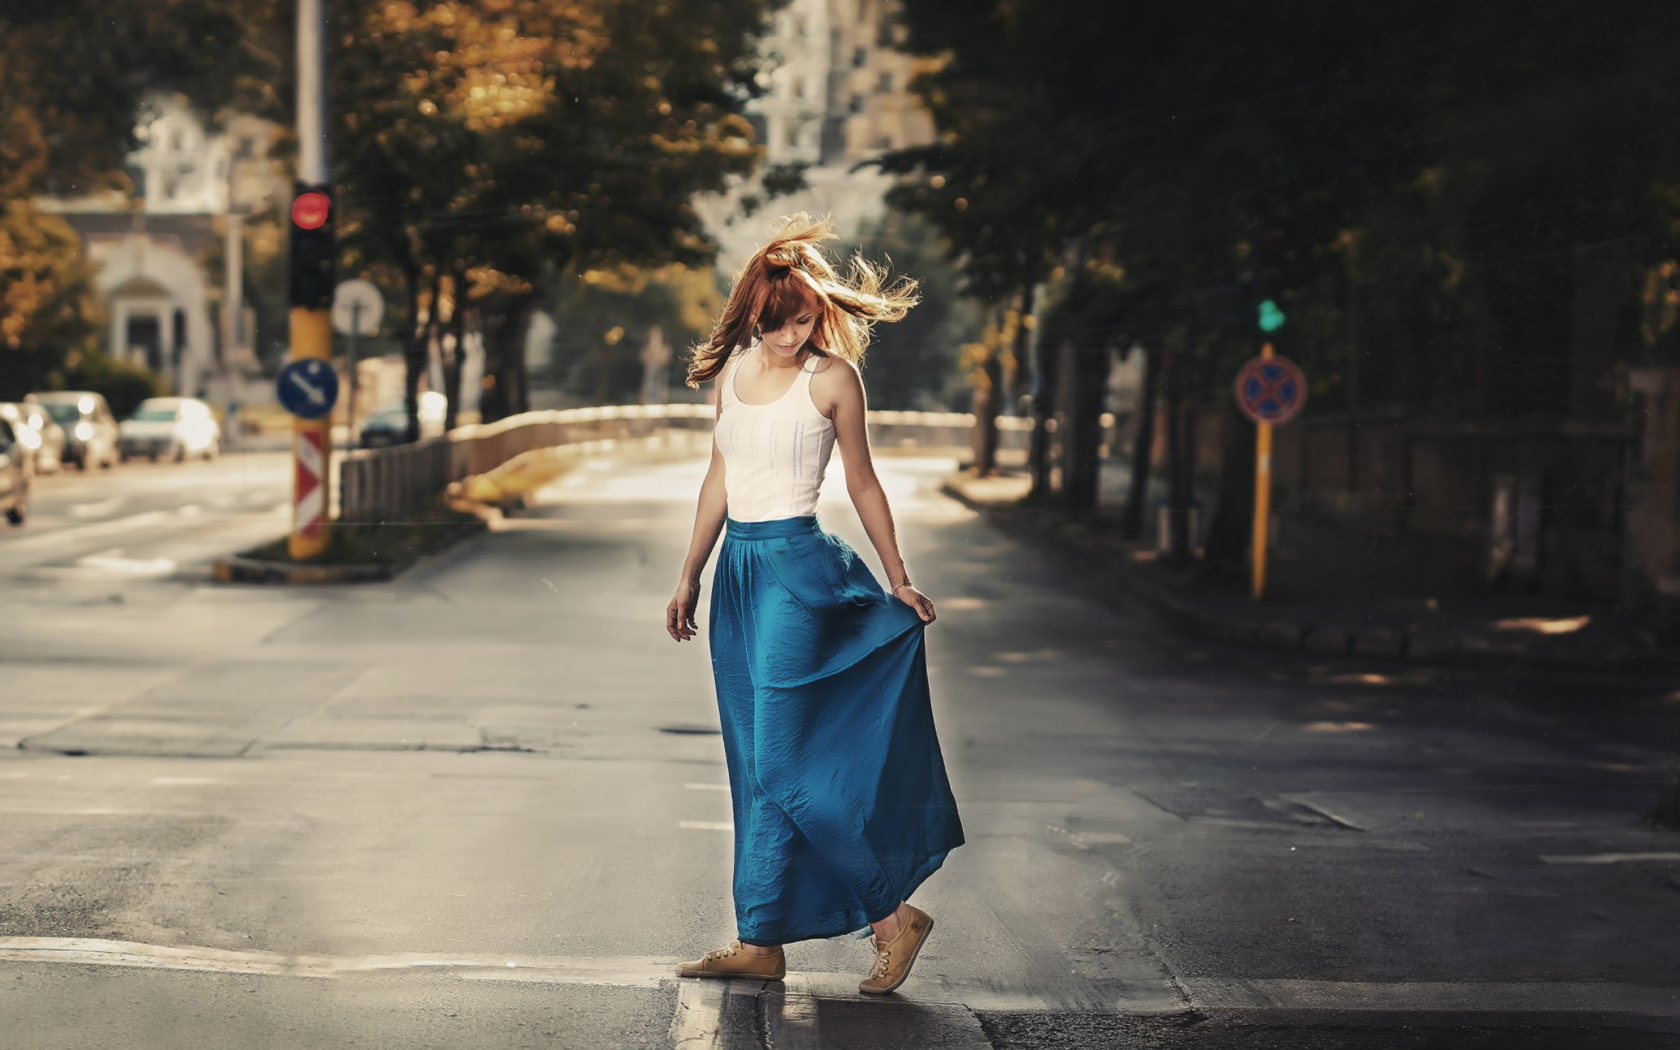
{"x": 311, "y": 271}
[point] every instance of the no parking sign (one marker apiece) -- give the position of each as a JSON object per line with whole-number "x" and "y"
{"x": 1271, "y": 389}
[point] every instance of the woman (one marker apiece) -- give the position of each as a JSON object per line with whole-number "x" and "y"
{"x": 841, "y": 803}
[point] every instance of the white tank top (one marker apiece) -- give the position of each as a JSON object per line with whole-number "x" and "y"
{"x": 774, "y": 455}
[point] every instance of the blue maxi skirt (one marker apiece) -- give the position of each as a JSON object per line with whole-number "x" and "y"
{"x": 842, "y": 806}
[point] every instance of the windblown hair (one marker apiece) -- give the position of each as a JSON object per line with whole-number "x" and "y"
{"x": 790, "y": 275}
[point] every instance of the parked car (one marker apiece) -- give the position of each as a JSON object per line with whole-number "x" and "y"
{"x": 14, "y": 474}
{"x": 90, "y": 432}
{"x": 176, "y": 427}
{"x": 37, "y": 432}
{"x": 389, "y": 422}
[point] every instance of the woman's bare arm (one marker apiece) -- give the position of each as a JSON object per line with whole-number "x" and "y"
{"x": 708, "y": 524}
{"x": 838, "y": 390}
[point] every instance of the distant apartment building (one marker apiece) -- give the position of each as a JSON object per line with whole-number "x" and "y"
{"x": 154, "y": 248}
{"x": 836, "y": 95}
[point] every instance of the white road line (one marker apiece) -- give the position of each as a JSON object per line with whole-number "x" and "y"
{"x": 1444, "y": 996}
{"x": 1608, "y": 858}
{"x": 706, "y": 999}
{"x": 641, "y": 971}
{"x": 78, "y": 533}
{"x": 102, "y": 509}
{"x": 112, "y": 563}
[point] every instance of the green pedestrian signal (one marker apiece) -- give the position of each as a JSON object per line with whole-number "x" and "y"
{"x": 1271, "y": 318}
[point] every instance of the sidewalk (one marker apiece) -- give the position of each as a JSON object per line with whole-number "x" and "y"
{"x": 1330, "y": 593}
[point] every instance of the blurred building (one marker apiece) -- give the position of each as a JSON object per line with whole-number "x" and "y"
{"x": 168, "y": 252}
{"x": 836, "y": 95}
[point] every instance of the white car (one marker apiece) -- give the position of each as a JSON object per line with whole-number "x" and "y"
{"x": 176, "y": 427}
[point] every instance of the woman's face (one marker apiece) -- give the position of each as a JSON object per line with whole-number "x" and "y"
{"x": 786, "y": 341}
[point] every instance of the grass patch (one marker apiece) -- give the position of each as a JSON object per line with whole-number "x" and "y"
{"x": 387, "y": 543}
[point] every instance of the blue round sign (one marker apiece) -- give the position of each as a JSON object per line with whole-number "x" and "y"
{"x": 308, "y": 389}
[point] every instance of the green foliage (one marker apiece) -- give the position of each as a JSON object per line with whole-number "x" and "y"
{"x": 124, "y": 385}
{"x": 48, "y": 309}
{"x": 73, "y": 74}
{"x": 517, "y": 140}
{"x": 1428, "y": 190}
{"x": 913, "y": 363}
{"x": 393, "y": 543}
{"x": 604, "y": 319}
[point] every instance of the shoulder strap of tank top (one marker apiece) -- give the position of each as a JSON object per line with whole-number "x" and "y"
{"x": 726, "y": 378}
{"x": 805, "y": 381}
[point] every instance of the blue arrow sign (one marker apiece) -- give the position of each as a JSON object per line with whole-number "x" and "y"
{"x": 308, "y": 389}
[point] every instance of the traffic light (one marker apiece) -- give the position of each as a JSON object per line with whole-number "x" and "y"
{"x": 312, "y": 247}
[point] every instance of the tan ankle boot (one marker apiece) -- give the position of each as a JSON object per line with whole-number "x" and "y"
{"x": 736, "y": 961}
{"x": 894, "y": 959}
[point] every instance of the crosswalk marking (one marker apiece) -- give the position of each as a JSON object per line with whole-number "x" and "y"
{"x": 706, "y": 1002}
{"x": 78, "y": 533}
{"x": 113, "y": 563}
{"x": 1609, "y": 858}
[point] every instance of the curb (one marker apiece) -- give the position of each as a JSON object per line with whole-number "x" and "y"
{"x": 235, "y": 569}
{"x": 250, "y": 570}
{"x": 1425, "y": 646}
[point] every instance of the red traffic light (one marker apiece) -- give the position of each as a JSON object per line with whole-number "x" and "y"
{"x": 310, "y": 210}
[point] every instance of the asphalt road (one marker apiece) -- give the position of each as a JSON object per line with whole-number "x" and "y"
{"x": 143, "y": 520}
{"x": 484, "y": 806}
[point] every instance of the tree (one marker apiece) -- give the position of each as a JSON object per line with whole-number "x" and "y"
{"x": 73, "y": 75}
{"x": 514, "y": 141}
{"x": 1465, "y": 209}
{"x": 912, "y": 363}
{"x": 606, "y": 317}
{"x": 48, "y": 310}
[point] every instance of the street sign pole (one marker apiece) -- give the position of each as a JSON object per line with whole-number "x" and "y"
{"x": 357, "y": 307}
{"x": 355, "y": 351}
{"x": 1271, "y": 391}
{"x": 311, "y": 321}
{"x": 1262, "y": 495}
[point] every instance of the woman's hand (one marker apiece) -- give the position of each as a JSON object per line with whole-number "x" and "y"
{"x": 909, "y": 595}
{"x": 679, "y": 615}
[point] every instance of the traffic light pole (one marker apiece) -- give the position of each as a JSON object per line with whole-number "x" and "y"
{"x": 311, "y": 296}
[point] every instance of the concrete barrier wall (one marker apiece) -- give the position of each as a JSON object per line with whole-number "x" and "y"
{"x": 382, "y": 484}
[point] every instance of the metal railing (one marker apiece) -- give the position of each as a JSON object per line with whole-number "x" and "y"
{"x": 381, "y": 484}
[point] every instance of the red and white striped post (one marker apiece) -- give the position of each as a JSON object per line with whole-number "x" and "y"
{"x": 309, "y": 486}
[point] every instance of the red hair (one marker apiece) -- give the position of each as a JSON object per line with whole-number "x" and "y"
{"x": 789, "y": 276}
